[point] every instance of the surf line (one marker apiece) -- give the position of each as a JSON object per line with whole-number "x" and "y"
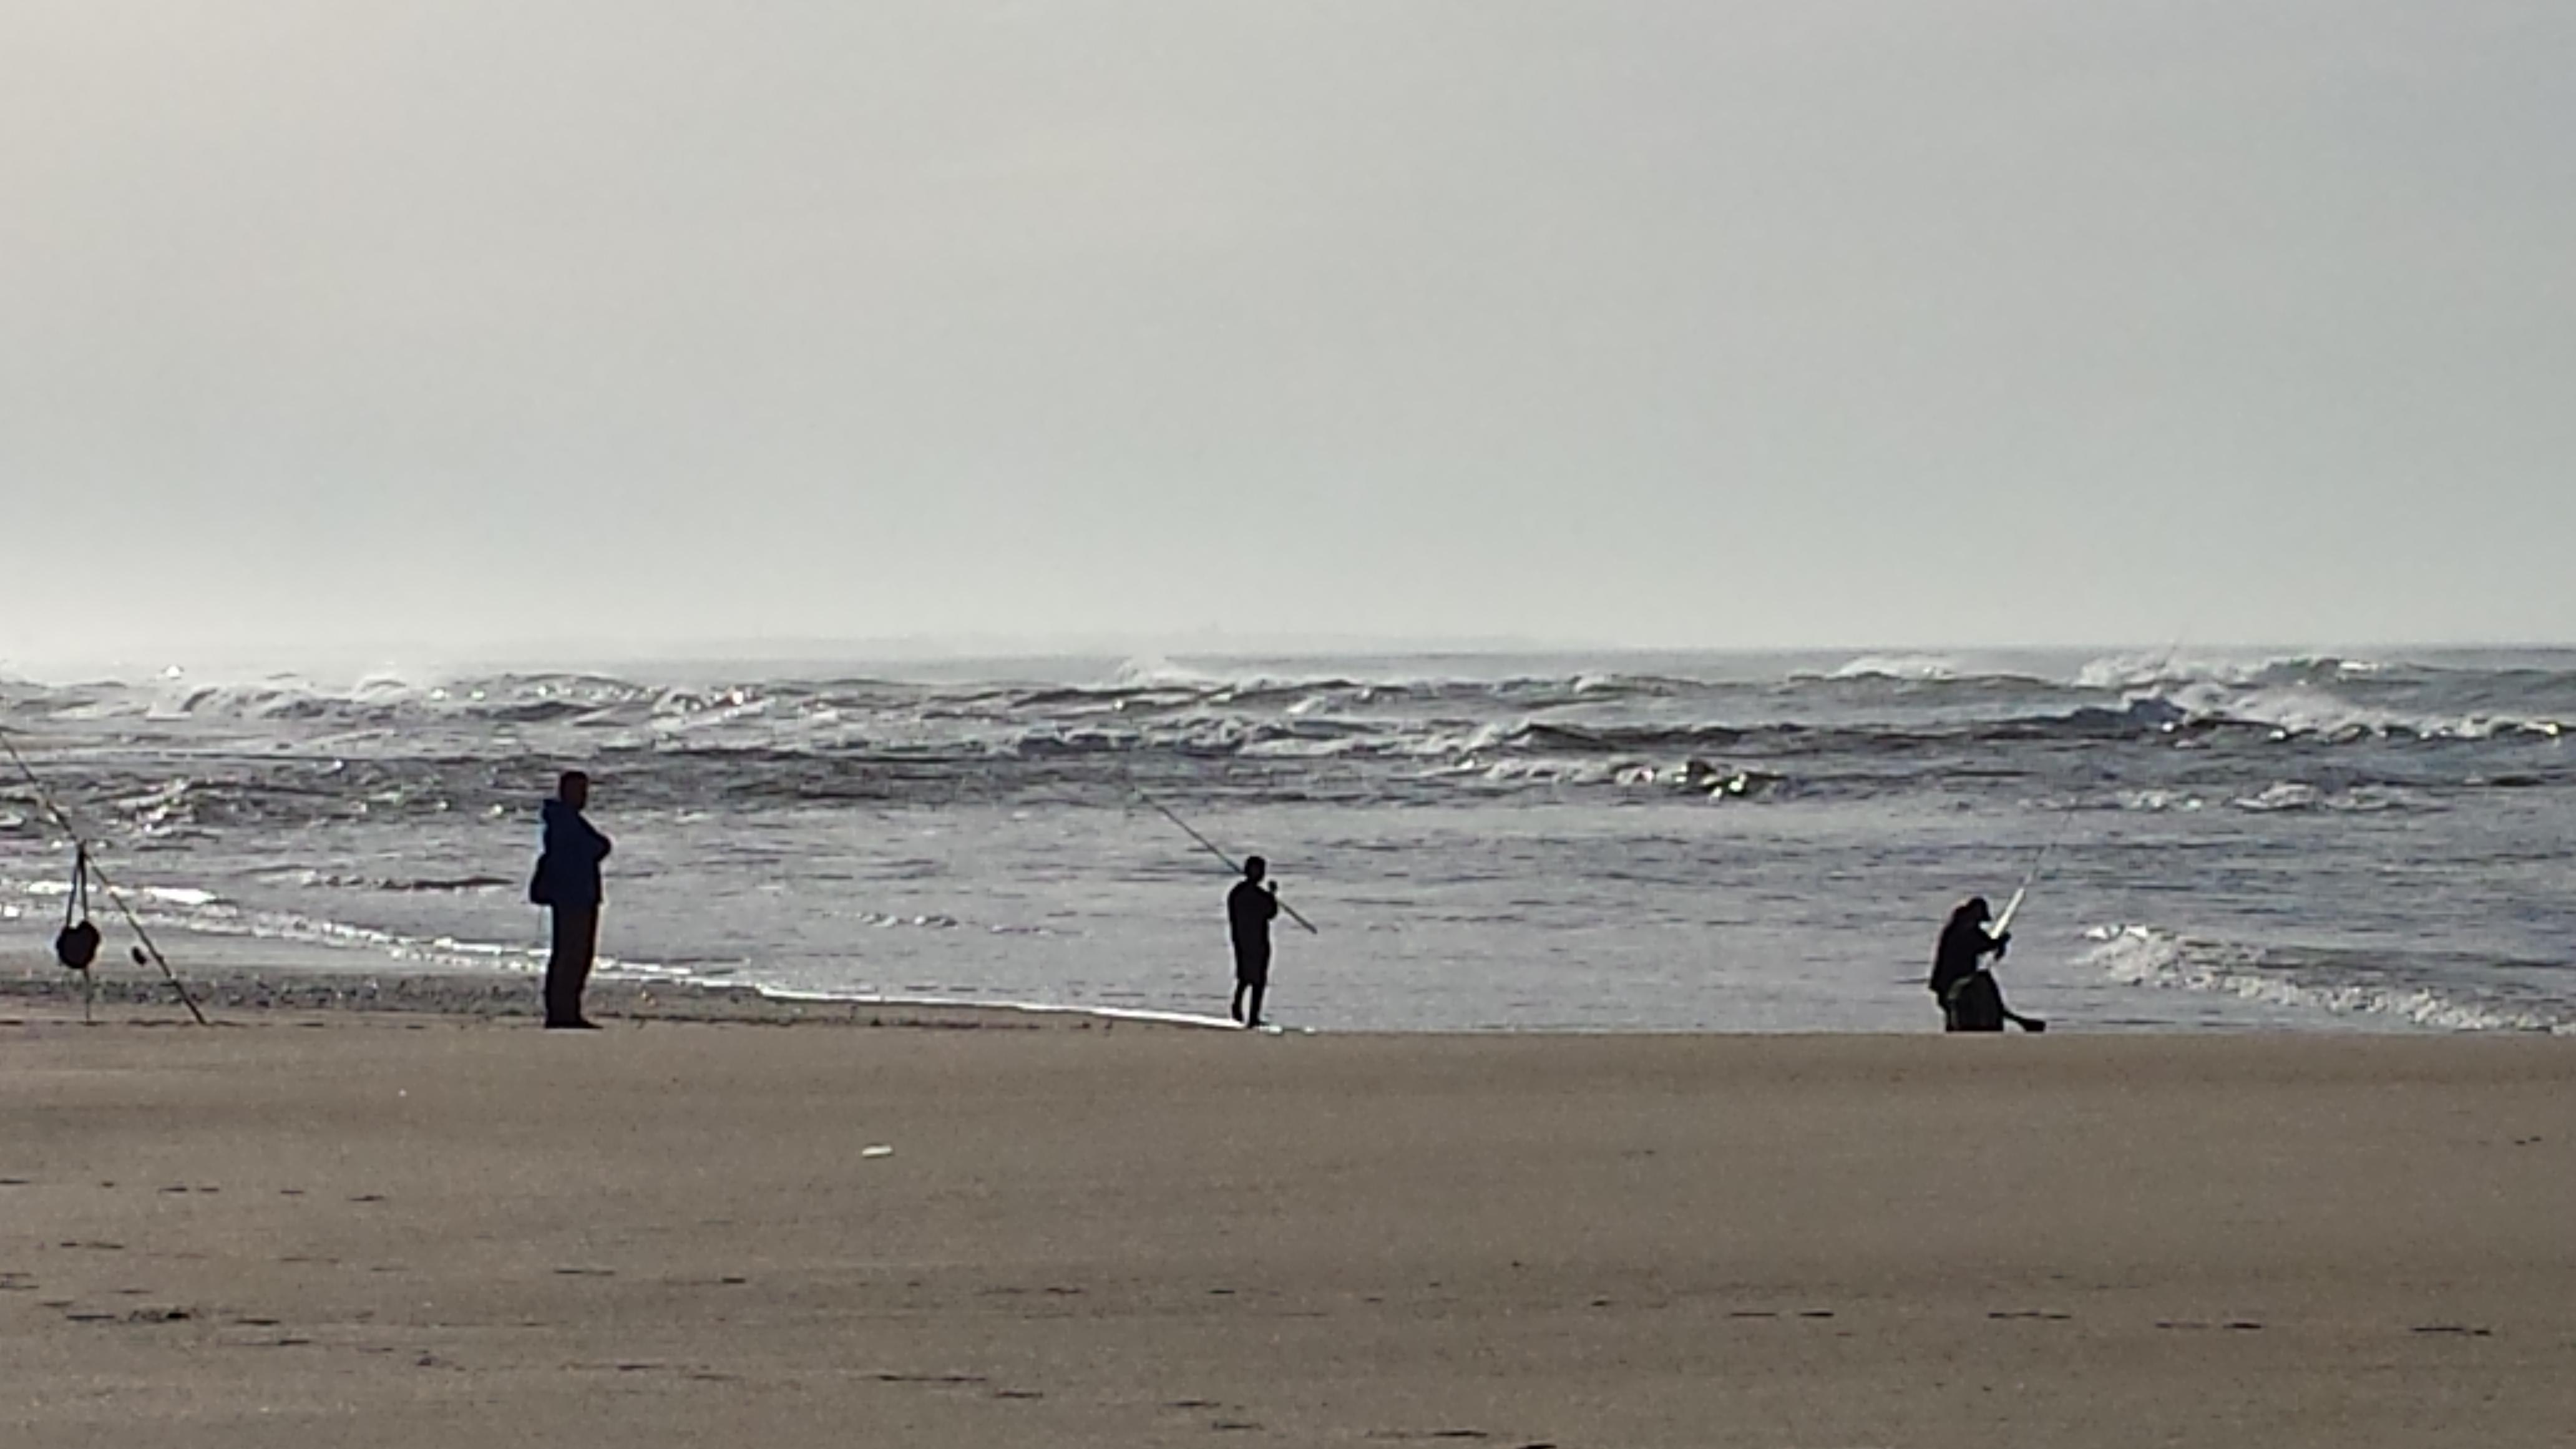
{"x": 85, "y": 858}
{"x": 1212, "y": 848}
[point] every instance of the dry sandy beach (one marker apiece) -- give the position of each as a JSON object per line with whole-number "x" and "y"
{"x": 413, "y": 1229}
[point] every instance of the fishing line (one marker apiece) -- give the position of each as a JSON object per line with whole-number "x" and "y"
{"x": 1212, "y": 848}
{"x": 2066, "y": 815}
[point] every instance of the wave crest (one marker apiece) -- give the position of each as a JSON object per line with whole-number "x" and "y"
{"x": 2343, "y": 983}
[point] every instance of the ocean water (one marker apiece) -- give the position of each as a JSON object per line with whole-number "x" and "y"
{"x": 1611, "y": 842}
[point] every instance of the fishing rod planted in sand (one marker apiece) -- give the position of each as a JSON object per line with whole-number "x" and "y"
{"x": 85, "y": 864}
{"x": 1211, "y": 848}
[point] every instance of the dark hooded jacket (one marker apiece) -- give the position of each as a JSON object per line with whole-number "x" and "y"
{"x": 1964, "y": 946}
{"x": 568, "y": 872}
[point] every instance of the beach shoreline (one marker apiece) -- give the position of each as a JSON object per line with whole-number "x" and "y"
{"x": 1704, "y": 841}
{"x": 245, "y": 995}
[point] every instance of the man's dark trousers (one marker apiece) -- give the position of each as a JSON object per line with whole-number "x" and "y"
{"x": 568, "y": 965}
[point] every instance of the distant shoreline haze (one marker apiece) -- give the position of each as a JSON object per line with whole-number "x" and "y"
{"x": 800, "y": 657}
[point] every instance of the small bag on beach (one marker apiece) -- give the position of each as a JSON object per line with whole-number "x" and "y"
{"x": 541, "y": 891}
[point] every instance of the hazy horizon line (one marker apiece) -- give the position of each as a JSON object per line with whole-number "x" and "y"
{"x": 998, "y": 648}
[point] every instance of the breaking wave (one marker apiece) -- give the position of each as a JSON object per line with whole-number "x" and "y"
{"x": 172, "y": 759}
{"x": 2341, "y": 982}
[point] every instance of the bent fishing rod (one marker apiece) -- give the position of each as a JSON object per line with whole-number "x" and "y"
{"x": 1211, "y": 848}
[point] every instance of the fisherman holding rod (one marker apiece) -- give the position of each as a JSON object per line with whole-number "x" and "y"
{"x": 1971, "y": 999}
{"x": 1249, "y": 909}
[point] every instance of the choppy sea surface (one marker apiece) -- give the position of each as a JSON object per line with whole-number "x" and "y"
{"x": 1611, "y": 842}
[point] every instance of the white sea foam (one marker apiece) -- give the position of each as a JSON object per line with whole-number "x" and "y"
{"x": 2290, "y": 795}
{"x": 2158, "y": 801}
{"x": 2307, "y": 711}
{"x": 2143, "y": 956}
{"x": 1032, "y": 1008}
{"x": 1922, "y": 668}
{"x": 2143, "y": 669}
{"x": 1554, "y": 771}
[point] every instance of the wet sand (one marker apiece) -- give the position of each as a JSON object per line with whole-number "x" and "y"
{"x": 420, "y": 1229}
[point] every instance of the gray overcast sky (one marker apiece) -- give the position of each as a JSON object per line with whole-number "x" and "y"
{"x": 1881, "y": 322}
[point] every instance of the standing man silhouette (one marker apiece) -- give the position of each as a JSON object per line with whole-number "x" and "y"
{"x": 1249, "y": 909}
{"x": 567, "y": 883}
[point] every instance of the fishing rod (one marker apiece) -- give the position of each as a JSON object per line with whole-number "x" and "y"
{"x": 2065, "y": 818}
{"x": 86, "y": 861}
{"x": 1211, "y": 848}
{"x": 2030, "y": 877}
